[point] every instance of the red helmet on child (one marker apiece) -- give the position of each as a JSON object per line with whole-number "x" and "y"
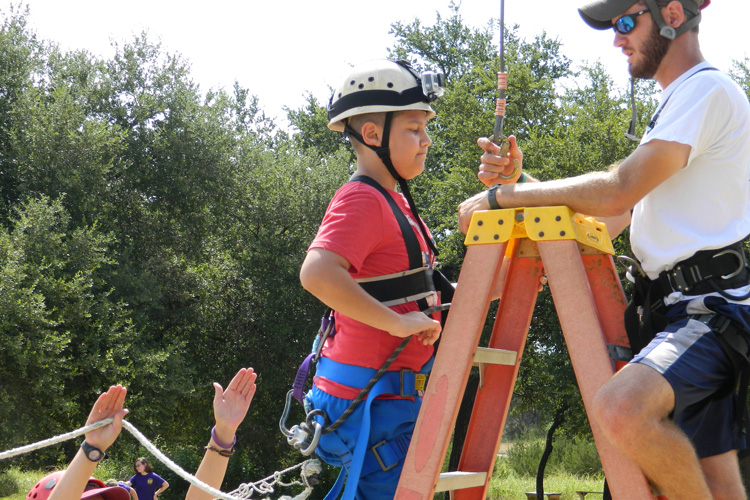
{"x": 43, "y": 489}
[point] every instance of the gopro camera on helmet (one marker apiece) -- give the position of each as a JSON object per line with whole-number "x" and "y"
{"x": 433, "y": 85}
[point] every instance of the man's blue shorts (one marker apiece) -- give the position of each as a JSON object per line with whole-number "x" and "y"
{"x": 691, "y": 359}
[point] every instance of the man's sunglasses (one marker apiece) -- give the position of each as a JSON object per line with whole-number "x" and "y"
{"x": 625, "y": 24}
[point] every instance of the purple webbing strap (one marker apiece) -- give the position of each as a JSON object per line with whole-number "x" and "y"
{"x": 299, "y": 380}
{"x": 326, "y": 330}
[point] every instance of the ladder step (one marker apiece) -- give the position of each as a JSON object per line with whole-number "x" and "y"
{"x": 458, "y": 480}
{"x": 486, "y": 355}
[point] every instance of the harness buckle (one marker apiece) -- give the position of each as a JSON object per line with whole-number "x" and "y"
{"x": 678, "y": 279}
{"x": 401, "y": 385}
{"x": 740, "y": 261}
{"x": 374, "y": 450}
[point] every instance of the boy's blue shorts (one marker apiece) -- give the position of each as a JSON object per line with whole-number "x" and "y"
{"x": 691, "y": 359}
{"x": 391, "y": 418}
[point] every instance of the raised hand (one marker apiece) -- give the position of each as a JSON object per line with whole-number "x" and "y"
{"x": 231, "y": 405}
{"x": 109, "y": 404}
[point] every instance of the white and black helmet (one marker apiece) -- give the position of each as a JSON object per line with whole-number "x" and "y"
{"x": 378, "y": 86}
{"x": 384, "y": 86}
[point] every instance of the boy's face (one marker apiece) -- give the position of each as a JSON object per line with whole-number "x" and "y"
{"x": 409, "y": 142}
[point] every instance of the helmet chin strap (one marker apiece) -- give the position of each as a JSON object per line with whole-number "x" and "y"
{"x": 664, "y": 29}
{"x": 384, "y": 153}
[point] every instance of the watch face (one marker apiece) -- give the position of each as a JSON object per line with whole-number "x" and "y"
{"x": 92, "y": 453}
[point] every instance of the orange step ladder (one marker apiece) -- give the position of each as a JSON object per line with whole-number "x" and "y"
{"x": 575, "y": 254}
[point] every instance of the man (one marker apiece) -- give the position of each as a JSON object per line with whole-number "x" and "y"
{"x": 685, "y": 191}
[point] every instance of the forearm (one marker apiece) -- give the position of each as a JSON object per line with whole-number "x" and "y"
{"x": 334, "y": 286}
{"x": 162, "y": 488}
{"x": 596, "y": 193}
{"x": 211, "y": 471}
{"x": 73, "y": 482}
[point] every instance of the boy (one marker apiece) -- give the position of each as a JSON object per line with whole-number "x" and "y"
{"x": 369, "y": 238}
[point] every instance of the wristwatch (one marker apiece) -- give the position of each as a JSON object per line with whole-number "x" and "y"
{"x": 92, "y": 453}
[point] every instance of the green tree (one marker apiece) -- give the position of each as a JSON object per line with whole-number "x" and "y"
{"x": 64, "y": 338}
{"x": 741, "y": 73}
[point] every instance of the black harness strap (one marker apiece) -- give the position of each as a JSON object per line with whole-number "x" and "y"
{"x": 655, "y": 118}
{"x": 410, "y": 239}
{"x": 735, "y": 344}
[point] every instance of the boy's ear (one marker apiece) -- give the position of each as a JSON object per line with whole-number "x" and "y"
{"x": 372, "y": 134}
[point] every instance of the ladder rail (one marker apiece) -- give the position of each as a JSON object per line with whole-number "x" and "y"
{"x": 585, "y": 338}
{"x": 443, "y": 394}
{"x": 493, "y": 399}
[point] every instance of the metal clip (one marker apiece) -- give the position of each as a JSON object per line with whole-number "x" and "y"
{"x": 634, "y": 265}
{"x": 740, "y": 260}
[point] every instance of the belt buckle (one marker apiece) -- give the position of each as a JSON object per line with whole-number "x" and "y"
{"x": 374, "y": 450}
{"x": 420, "y": 381}
{"x": 677, "y": 278}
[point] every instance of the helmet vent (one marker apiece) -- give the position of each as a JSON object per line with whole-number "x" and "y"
{"x": 361, "y": 86}
{"x": 390, "y": 85}
{"x": 371, "y": 79}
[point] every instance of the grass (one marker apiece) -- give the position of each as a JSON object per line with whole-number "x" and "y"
{"x": 15, "y": 484}
{"x": 508, "y": 487}
{"x": 515, "y": 487}
{"x": 574, "y": 466}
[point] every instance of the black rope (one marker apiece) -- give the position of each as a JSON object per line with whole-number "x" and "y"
{"x": 355, "y": 402}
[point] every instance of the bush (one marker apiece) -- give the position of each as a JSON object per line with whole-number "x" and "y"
{"x": 16, "y": 484}
{"x": 8, "y": 483}
{"x": 571, "y": 456}
{"x": 523, "y": 457}
{"x": 577, "y": 456}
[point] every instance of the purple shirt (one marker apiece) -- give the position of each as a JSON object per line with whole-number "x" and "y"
{"x": 146, "y": 485}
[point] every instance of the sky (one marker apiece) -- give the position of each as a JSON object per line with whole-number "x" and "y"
{"x": 281, "y": 51}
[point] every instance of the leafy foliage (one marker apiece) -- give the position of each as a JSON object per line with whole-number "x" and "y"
{"x": 151, "y": 233}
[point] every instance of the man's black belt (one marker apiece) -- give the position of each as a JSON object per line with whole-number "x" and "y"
{"x": 707, "y": 271}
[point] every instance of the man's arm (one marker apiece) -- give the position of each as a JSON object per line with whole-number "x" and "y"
{"x": 325, "y": 274}
{"x": 608, "y": 194}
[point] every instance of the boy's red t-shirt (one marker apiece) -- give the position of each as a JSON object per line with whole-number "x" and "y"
{"x": 360, "y": 226}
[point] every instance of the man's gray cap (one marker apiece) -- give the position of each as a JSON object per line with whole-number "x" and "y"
{"x": 599, "y": 14}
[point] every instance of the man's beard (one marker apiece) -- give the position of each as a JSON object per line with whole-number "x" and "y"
{"x": 653, "y": 51}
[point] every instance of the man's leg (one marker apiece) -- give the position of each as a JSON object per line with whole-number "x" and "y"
{"x": 722, "y": 473}
{"x": 632, "y": 409}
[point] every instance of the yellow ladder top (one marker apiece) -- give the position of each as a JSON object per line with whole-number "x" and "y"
{"x": 537, "y": 224}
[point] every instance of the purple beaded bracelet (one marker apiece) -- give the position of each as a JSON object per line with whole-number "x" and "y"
{"x": 223, "y": 445}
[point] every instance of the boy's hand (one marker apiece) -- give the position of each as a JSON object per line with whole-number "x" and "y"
{"x": 492, "y": 164}
{"x": 107, "y": 405}
{"x": 426, "y": 329}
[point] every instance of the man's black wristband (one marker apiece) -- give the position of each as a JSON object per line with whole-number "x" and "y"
{"x": 492, "y": 199}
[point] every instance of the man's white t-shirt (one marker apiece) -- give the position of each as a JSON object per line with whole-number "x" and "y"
{"x": 706, "y": 205}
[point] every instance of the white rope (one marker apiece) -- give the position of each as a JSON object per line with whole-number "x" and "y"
{"x": 244, "y": 491}
{"x": 54, "y": 440}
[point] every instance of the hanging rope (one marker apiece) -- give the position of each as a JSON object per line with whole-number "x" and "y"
{"x": 309, "y": 469}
